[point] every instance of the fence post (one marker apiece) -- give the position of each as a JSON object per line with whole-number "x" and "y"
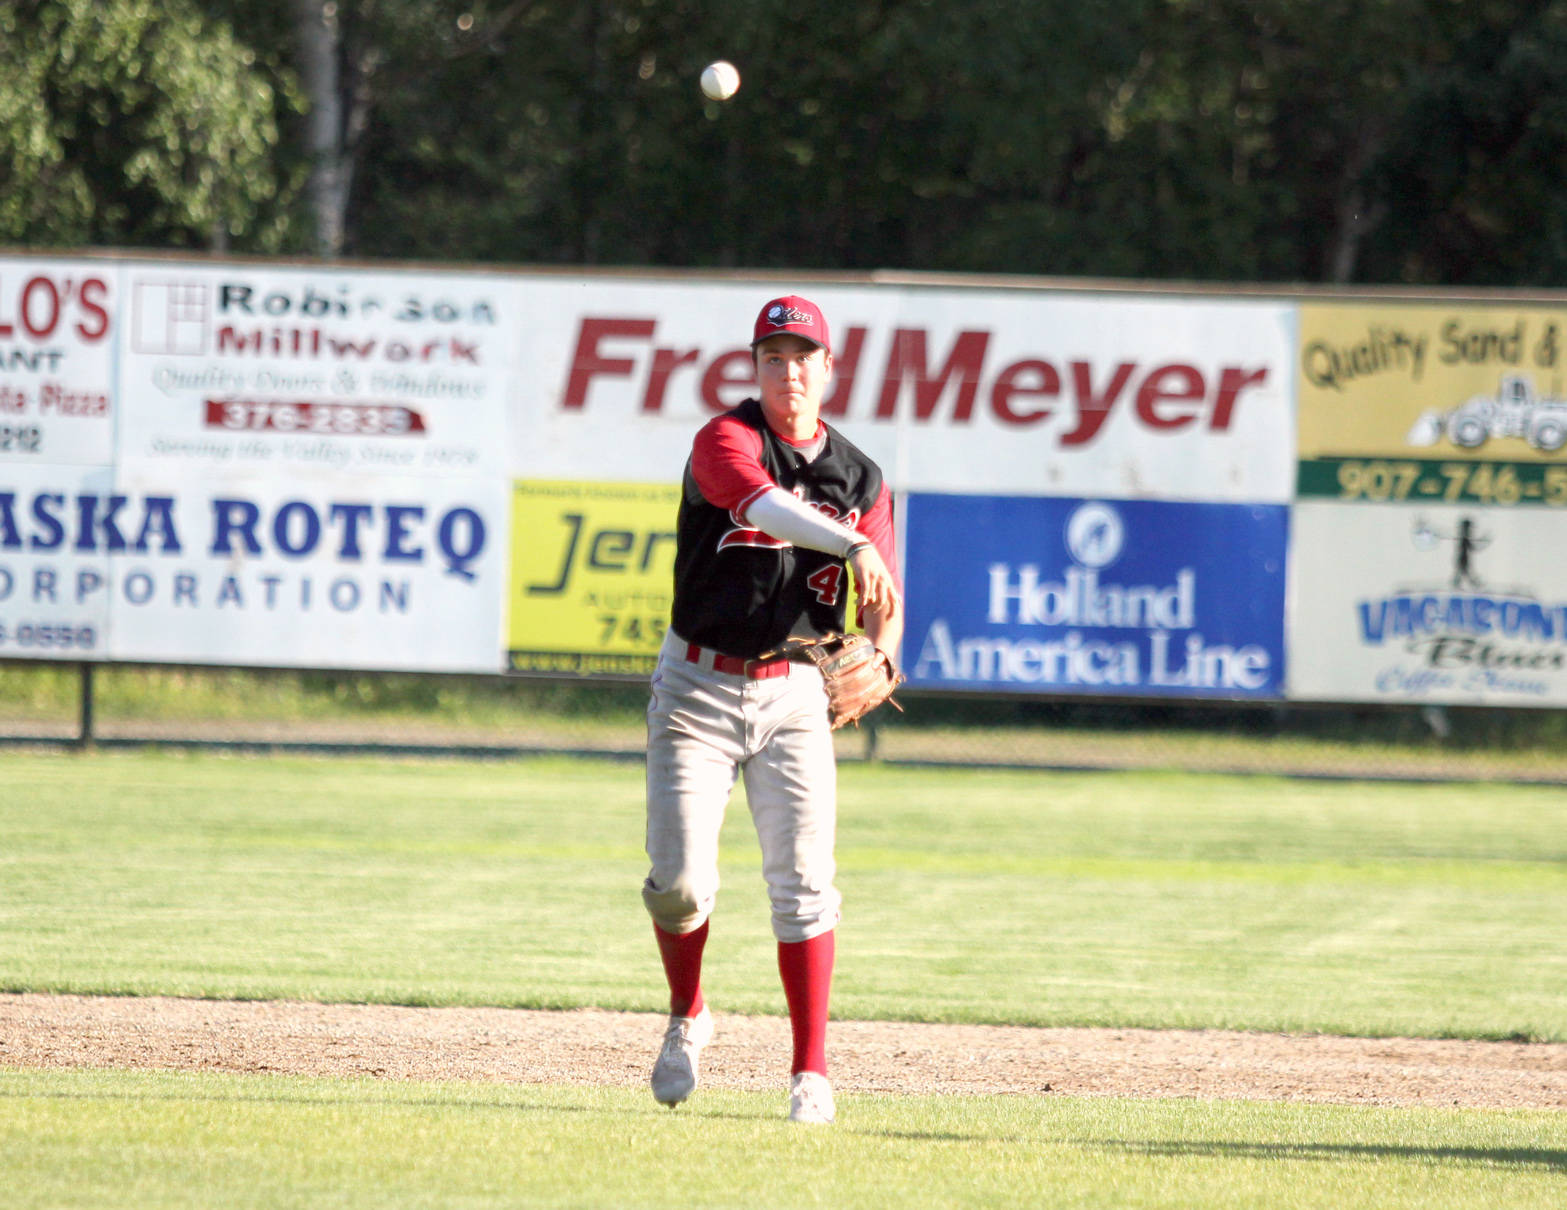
{"x": 84, "y": 737}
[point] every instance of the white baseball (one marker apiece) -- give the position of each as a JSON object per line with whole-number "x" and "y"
{"x": 720, "y": 80}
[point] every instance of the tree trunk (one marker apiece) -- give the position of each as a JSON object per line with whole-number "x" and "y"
{"x": 1355, "y": 217}
{"x": 316, "y": 27}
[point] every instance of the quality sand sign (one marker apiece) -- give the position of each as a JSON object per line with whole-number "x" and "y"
{"x": 1431, "y": 403}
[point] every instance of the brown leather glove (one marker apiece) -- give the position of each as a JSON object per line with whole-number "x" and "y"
{"x": 857, "y": 674}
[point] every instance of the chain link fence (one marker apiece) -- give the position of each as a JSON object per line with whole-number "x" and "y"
{"x": 493, "y": 717}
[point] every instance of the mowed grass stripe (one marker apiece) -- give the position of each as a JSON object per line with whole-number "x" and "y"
{"x": 1031, "y": 898}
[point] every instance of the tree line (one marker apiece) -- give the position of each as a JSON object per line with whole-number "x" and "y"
{"x": 1282, "y": 141}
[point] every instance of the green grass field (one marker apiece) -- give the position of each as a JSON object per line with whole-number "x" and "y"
{"x": 1132, "y": 899}
{"x": 1081, "y": 899}
{"x": 203, "y": 1140}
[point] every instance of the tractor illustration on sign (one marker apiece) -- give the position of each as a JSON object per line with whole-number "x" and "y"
{"x": 1514, "y": 411}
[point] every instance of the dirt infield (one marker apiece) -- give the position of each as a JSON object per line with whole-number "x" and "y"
{"x": 606, "y": 1048}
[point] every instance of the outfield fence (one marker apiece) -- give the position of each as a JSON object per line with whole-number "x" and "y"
{"x": 429, "y": 508}
{"x": 499, "y": 717}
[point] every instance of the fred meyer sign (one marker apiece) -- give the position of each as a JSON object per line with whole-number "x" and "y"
{"x": 1020, "y": 392}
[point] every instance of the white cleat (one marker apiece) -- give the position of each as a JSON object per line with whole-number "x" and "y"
{"x": 810, "y": 1099}
{"x": 675, "y": 1072}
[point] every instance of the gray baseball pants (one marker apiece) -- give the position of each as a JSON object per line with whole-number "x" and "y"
{"x": 705, "y": 729}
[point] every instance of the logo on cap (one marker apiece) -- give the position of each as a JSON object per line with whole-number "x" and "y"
{"x": 782, "y": 314}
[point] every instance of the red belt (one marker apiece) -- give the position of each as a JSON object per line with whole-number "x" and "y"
{"x": 757, "y": 670}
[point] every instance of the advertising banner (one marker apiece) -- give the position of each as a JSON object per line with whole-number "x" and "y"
{"x": 1024, "y": 392}
{"x": 311, "y": 571}
{"x": 240, "y": 367}
{"x": 1428, "y": 603}
{"x": 349, "y": 467}
{"x": 1110, "y": 598}
{"x": 1433, "y": 404}
{"x": 592, "y": 576}
{"x": 59, "y": 526}
{"x": 57, "y": 320}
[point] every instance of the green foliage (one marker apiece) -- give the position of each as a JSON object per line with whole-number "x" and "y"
{"x": 1419, "y": 141}
{"x": 876, "y": 139}
{"x": 1399, "y": 140}
{"x": 137, "y": 122}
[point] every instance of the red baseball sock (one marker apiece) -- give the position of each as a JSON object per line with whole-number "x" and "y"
{"x": 682, "y": 955}
{"x": 806, "y": 967}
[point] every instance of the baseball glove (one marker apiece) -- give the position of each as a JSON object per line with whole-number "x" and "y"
{"x": 858, "y": 675}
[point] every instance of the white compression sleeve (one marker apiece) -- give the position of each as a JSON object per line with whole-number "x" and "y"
{"x": 782, "y": 515}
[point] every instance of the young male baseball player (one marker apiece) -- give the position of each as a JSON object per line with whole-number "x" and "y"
{"x": 777, "y": 507}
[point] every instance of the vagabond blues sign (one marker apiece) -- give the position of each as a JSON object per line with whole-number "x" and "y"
{"x": 1435, "y": 604}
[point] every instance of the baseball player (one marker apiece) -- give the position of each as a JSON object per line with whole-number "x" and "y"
{"x": 776, "y": 508}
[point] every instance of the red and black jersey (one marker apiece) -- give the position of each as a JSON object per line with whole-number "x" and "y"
{"x": 739, "y": 591}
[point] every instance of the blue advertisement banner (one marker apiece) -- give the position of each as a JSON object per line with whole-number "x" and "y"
{"x": 1111, "y": 598}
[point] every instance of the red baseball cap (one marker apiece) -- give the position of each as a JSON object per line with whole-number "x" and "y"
{"x": 795, "y": 315}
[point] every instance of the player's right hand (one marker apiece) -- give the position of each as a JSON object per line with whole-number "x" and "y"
{"x": 878, "y": 589}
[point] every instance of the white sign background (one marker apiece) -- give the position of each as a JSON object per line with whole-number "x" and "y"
{"x": 952, "y": 389}
{"x": 1356, "y": 569}
{"x": 53, "y": 603}
{"x": 319, "y": 571}
{"x": 317, "y": 368}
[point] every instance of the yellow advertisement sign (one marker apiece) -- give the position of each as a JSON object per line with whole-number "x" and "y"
{"x": 592, "y": 576}
{"x": 1431, "y": 382}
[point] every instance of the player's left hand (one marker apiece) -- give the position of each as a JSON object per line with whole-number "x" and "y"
{"x": 857, "y": 675}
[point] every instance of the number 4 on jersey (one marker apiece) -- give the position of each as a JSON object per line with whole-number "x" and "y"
{"x": 827, "y": 583}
